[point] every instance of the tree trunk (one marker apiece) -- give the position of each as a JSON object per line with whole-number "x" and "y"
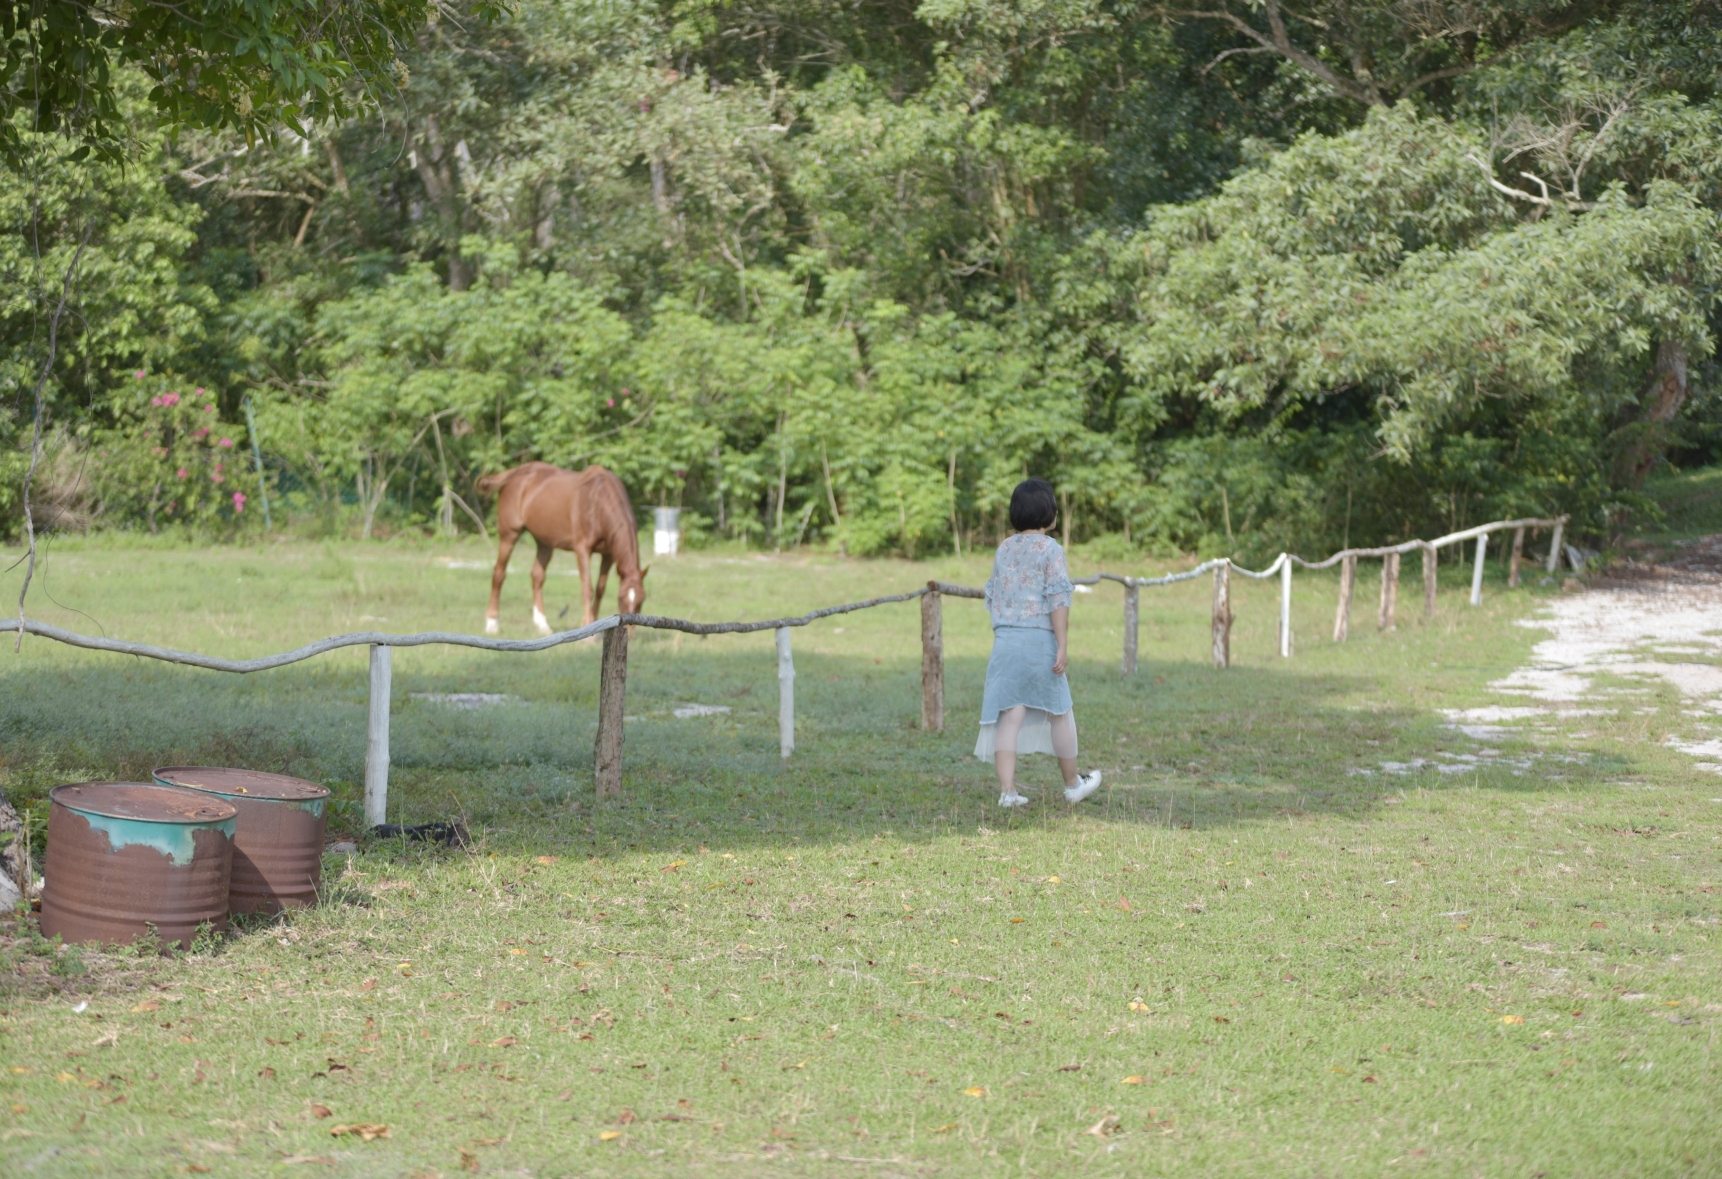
{"x": 1661, "y": 401}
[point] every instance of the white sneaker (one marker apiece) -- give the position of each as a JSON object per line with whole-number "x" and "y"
{"x": 1012, "y": 800}
{"x": 1086, "y": 784}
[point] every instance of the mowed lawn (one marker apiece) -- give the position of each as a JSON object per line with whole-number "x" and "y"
{"x": 1245, "y": 955}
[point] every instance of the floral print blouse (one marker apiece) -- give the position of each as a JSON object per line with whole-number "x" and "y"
{"x": 1029, "y": 581}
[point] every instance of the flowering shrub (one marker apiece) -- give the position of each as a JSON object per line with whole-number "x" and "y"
{"x": 171, "y": 459}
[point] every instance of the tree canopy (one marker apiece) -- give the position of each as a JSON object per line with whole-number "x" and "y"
{"x": 1233, "y": 276}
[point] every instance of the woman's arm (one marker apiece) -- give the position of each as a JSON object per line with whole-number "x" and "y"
{"x": 1060, "y": 625}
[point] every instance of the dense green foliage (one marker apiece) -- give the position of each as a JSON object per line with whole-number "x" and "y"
{"x": 1237, "y": 280}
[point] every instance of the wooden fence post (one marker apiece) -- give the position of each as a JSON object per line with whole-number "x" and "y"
{"x": 377, "y": 737}
{"x": 1222, "y": 629}
{"x": 1554, "y": 561}
{"x": 1384, "y": 614}
{"x": 1285, "y": 606}
{"x": 1477, "y": 569}
{"x": 1132, "y": 594}
{"x": 1431, "y": 566}
{"x": 1347, "y": 580}
{"x": 785, "y": 694}
{"x": 612, "y": 694}
{"x": 932, "y": 660}
{"x": 1517, "y": 557}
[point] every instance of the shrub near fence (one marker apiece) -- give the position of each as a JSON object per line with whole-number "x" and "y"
{"x": 613, "y": 669}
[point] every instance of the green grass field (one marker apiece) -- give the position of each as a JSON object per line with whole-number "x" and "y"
{"x": 1246, "y": 955}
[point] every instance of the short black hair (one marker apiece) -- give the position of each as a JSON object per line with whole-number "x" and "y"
{"x": 1033, "y": 504}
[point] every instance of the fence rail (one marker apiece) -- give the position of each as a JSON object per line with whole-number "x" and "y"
{"x": 612, "y": 681}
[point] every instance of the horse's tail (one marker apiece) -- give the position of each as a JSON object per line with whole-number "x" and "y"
{"x": 499, "y": 480}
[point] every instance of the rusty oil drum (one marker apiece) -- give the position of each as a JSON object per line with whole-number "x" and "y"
{"x": 126, "y": 856}
{"x": 278, "y": 848}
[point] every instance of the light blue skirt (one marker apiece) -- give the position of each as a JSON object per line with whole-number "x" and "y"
{"x": 1020, "y": 672}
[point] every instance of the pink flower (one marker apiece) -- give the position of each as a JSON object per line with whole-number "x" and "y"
{"x": 140, "y": 374}
{"x": 159, "y": 451}
{"x": 200, "y": 390}
{"x": 217, "y": 477}
{"x": 610, "y": 402}
{"x": 170, "y": 399}
{"x": 180, "y": 473}
{"x": 239, "y": 501}
{"x": 201, "y": 432}
{"x": 225, "y": 443}
{"x": 208, "y": 408}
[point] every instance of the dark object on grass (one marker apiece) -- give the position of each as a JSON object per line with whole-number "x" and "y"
{"x": 278, "y": 843}
{"x": 126, "y": 857}
{"x": 447, "y": 834}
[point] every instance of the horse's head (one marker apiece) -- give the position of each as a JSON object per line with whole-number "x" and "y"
{"x": 631, "y": 594}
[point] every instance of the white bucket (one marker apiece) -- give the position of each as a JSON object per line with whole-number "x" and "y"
{"x": 666, "y": 531}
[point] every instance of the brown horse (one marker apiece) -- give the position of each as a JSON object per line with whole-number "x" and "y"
{"x": 582, "y": 511}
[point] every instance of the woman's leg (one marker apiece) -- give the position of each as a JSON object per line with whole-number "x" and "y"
{"x": 1064, "y": 745}
{"x": 1004, "y": 746}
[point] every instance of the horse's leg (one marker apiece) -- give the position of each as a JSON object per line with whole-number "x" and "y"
{"x": 603, "y": 578}
{"x": 539, "y": 566}
{"x": 584, "y": 557}
{"x": 504, "y": 550}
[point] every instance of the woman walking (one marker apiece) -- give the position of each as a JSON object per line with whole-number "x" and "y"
{"x": 1027, "y": 707}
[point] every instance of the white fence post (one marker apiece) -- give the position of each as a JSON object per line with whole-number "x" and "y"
{"x": 377, "y": 738}
{"x": 1477, "y": 569}
{"x": 785, "y": 694}
{"x": 1132, "y": 608}
{"x": 1554, "y": 561}
{"x": 1285, "y": 605}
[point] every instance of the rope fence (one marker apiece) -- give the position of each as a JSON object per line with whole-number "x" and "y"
{"x": 613, "y": 666}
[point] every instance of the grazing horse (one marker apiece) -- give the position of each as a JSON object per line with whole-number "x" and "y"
{"x": 582, "y": 511}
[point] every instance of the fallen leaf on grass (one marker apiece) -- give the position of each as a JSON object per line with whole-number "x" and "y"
{"x": 1106, "y": 1126}
{"x": 1221, "y": 1019}
{"x": 321, "y": 1111}
{"x": 944, "y": 1129}
{"x": 146, "y": 1005}
{"x": 1512, "y": 1019}
{"x": 673, "y": 867}
{"x": 468, "y": 1160}
{"x": 1070, "y": 1068}
{"x": 519, "y": 952}
{"x": 1139, "y": 1005}
{"x": 565, "y": 1095}
{"x": 609, "y": 1135}
{"x": 505, "y": 1042}
{"x": 198, "y": 1169}
{"x": 1370, "y": 1079}
{"x": 544, "y": 860}
{"x": 1599, "y": 925}
{"x": 1134, "y": 1080}
{"x": 974, "y": 1091}
{"x": 369, "y": 1131}
{"x": 294, "y": 1160}
{"x": 627, "y": 1118}
{"x": 1018, "y": 920}
{"x": 1344, "y": 1072}
{"x": 803, "y": 1064}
